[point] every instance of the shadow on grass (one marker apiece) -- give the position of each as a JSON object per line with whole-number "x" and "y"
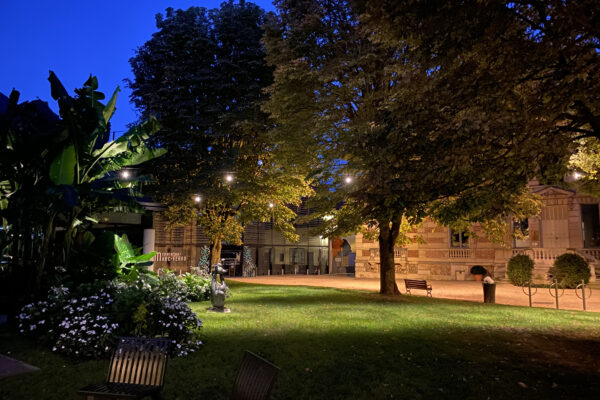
{"x": 414, "y": 364}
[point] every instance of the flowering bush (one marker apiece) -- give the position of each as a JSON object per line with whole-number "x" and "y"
{"x": 85, "y": 325}
{"x": 189, "y": 287}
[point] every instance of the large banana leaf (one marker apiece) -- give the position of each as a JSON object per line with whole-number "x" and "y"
{"x": 62, "y": 169}
{"x": 110, "y": 107}
{"x": 134, "y": 137}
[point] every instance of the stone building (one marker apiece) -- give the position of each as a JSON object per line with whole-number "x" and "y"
{"x": 568, "y": 223}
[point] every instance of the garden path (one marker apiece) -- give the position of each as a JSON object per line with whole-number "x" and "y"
{"x": 10, "y": 366}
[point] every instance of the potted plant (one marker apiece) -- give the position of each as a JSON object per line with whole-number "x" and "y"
{"x": 478, "y": 272}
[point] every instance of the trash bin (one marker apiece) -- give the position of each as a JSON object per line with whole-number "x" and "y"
{"x": 489, "y": 293}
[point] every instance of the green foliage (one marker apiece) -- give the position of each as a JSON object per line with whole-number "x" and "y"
{"x": 570, "y": 270}
{"x": 520, "y": 269}
{"x": 92, "y": 260}
{"x": 129, "y": 261}
{"x": 393, "y": 119}
{"x": 586, "y": 164}
{"x": 189, "y": 287}
{"x": 215, "y": 69}
{"x": 57, "y": 172}
{"x": 478, "y": 270}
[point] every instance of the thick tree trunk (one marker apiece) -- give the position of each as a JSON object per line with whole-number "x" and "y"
{"x": 388, "y": 233}
{"x": 215, "y": 253}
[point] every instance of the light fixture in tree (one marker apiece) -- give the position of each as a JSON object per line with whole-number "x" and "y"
{"x": 125, "y": 174}
{"x": 577, "y": 175}
{"x": 348, "y": 180}
{"x": 271, "y": 205}
{"x": 197, "y": 199}
{"x": 229, "y": 178}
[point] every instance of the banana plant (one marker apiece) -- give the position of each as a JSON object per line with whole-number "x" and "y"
{"x": 87, "y": 158}
{"x": 61, "y": 170}
{"x": 130, "y": 262}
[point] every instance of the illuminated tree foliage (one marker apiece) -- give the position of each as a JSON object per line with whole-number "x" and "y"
{"x": 414, "y": 141}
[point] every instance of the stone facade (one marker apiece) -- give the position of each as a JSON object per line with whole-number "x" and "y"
{"x": 568, "y": 222}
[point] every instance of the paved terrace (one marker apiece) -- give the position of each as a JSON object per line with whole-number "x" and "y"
{"x": 506, "y": 293}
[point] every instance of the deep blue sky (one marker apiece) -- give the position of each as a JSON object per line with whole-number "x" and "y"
{"x": 76, "y": 38}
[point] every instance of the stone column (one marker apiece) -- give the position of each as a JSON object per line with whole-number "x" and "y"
{"x": 149, "y": 235}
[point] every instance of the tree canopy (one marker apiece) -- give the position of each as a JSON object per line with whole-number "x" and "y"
{"x": 413, "y": 143}
{"x": 202, "y": 75}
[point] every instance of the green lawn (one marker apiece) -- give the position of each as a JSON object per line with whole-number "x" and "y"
{"x": 355, "y": 345}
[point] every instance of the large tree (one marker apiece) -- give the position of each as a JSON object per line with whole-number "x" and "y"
{"x": 202, "y": 75}
{"x": 394, "y": 141}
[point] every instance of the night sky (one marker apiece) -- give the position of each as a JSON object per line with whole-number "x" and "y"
{"x": 76, "y": 38}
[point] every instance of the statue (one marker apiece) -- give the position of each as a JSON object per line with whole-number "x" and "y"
{"x": 218, "y": 290}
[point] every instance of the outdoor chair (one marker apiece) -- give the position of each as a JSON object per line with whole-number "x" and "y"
{"x": 255, "y": 379}
{"x": 137, "y": 370}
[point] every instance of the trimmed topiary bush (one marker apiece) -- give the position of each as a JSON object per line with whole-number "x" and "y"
{"x": 520, "y": 269}
{"x": 570, "y": 269}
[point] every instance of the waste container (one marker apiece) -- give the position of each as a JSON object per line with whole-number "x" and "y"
{"x": 489, "y": 292}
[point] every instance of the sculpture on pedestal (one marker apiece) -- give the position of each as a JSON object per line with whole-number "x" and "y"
{"x": 218, "y": 290}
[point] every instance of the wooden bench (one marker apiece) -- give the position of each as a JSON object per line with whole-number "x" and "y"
{"x": 255, "y": 379}
{"x": 137, "y": 370}
{"x": 417, "y": 284}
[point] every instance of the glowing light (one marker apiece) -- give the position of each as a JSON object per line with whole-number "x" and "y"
{"x": 348, "y": 179}
{"x": 197, "y": 199}
{"x": 229, "y": 178}
{"x": 271, "y": 205}
{"x": 125, "y": 174}
{"x": 577, "y": 176}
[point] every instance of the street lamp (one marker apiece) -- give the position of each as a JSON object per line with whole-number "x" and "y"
{"x": 229, "y": 178}
{"x": 348, "y": 180}
{"x": 125, "y": 174}
{"x": 197, "y": 199}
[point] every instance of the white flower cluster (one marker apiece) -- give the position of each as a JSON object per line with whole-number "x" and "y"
{"x": 86, "y": 326}
{"x": 77, "y": 326}
{"x": 87, "y": 329}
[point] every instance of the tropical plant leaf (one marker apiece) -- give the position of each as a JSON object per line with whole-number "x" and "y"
{"x": 62, "y": 169}
{"x": 142, "y": 258}
{"x": 110, "y": 107}
{"x": 57, "y": 90}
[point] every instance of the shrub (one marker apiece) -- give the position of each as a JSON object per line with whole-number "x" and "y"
{"x": 198, "y": 287}
{"x": 83, "y": 325}
{"x": 189, "y": 287}
{"x": 478, "y": 270}
{"x": 520, "y": 269}
{"x": 570, "y": 269}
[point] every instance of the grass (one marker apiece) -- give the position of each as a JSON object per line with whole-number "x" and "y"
{"x": 334, "y": 344}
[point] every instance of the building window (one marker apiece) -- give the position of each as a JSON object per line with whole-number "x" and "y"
{"x": 298, "y": 256}
{"x": 459, "y": 239}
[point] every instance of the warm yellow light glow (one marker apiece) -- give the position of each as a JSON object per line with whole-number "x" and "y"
{"x": 229, "y": 178}
{"x": 348, "y": 179}
{"x": 125, "y": 174}
{"x": 197, "y": 199}
{"x": 271, "y": 205}
{"x": 577, "y": 176}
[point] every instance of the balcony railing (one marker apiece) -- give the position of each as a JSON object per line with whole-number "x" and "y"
{"x": 460, "y": 253}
